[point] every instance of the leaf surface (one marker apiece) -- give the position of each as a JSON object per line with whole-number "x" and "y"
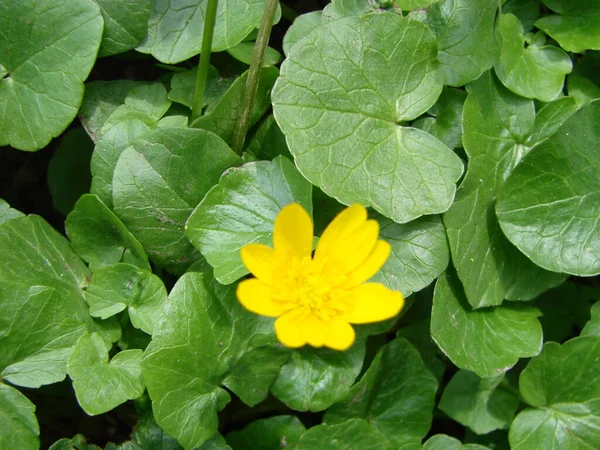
{"x": 18, "y": 425}
{"x": 273, "y": 433}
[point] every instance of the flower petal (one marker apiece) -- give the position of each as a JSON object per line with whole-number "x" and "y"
{"x": 341, "y": 335}
{"x": 289, "y": 331}
{"x": 371, "y": 265}
{"x": 293, "y": 232}
{"x": 256, "y": 297}
{"x": 259, "y": 260}
{"x": 343, "y": 224}
{"x": 373, "y": 302}
{"x": 352, "y": 249}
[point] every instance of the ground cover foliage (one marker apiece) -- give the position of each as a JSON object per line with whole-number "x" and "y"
{"x": 469, "y": 128}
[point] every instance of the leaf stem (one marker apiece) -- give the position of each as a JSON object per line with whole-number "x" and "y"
{"x": 203, "y": 66}
{"x": 256, "y": 63}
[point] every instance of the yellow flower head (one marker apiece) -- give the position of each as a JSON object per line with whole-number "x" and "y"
{"x": 317, "y": 298}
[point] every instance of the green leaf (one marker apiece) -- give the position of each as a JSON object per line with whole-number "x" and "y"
{"x": 353, "y": 434}
{"x": 528, "y": 11}
{"x": 243, "y": 52}
{"x": 593, "y": 326}
{"x": 202, "y": 335}
{"x": 69, "y": 174}
{"x": 143, "y": 108}
{"x": 78, "y": 442}
{"x": 465, "y": 32}
{"x": 396, "y": 395}
{"x": 273, "y": 433}
{"x": 409, "y": 5}
{"x": 576, "y": 26}
{"x": 183, "y": 84}
{"x": 125, "y": 24}
{"x": 537, "y": 71}
{"x": 241, "y": 210}
{"x": 223, "y": 116}
{"x": 559, "y": 232}
{"x": 418, "y": 335}
{"x": 445, "y": 122}
{"x": 314, "y": 379}
{"x": 148, "y": 435}
{"x": 114, "y": 288}
{"x": 8, "y": 213}
{"x": 485, "y": 341}
{"x": 478, "y": 403}
{"x": 340, "y": 112}
{"x": 445, "y": 442}
{"x": 550, "y": 118}
{"x": 100, "y": 238}
{"x": 302, "y": 25}
{"x": 101, "y": 385}
{"x": 175, "y": 33}
{"x": 496, "y": 124}
{"x": 159, "y": 180}
{"x": 46, "y": 51}
{"x": 419, "y": 253}
{"x": 268, "y": 141}
{"x": 339, "y": 9}
{"x": 562, "y": 385}
{"x": 18, "y": 425}
{"x": 100, "y": 100}
{"x": 582, "y": 90}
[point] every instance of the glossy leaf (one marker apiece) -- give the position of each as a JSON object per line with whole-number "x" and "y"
{"x": 353, "y": 434}
{"x": 328, "y": 101}
{"x": 496, "y": 125}
{"x": 125, "y": 24}
{"x": 537, "y": 71}
{"x": 43, "y": 67}
{"x": 582, "y": 90}
{"x": 158, "y": 182}
{"x": 241, "y": 210}
{"x": 314, "y": 379}
{"x": 478, "y": 403}
{"x": 273, "y": 433}
{"x": 560, "y": 231}
{"x": 465, "y": 32}
{"x": 396, "y": 395}
{"x": 100, "y": 238}
{"x": 18, "y": 425}
{"x": 445, "y": 442}
{"x": 199, "y": 341}
{"x": 485, "y": 341}
{"x": 100, "y": 385}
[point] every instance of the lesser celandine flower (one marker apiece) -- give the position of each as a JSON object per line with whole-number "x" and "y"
{"x": 316, "y": 298}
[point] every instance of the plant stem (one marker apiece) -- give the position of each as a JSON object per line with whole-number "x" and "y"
{"x": 202, "y": 74}
{"x": 256, "y": 63}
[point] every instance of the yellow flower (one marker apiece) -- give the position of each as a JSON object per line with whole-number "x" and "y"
{"x": 316, "y": 298}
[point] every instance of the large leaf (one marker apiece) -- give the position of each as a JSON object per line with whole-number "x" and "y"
{"x": 353, "y": 434}
{"x": 485, "y": 341}
{"x": 550, "y": 206}
{"x": 396, "y": 395}
{"x": 40, "y": 290}
{"x": 47, "y": 49}
{"x": 241, "y": 210}
{"x": 496, "y": 125}
{"x": 125, "y": 24}
{"x": 18, "y": 426}
{"x": 202, "y": 338}
{"x": 100, "y": 238}
{"x": 576, "y": 27}
{"x": 175, "y": 33}
{"x": 314, "y": 379}
{"x": 158, "y": 182}
{"x": 563, "y": 387}
{"x": 101, "y": 385}
{"x": 537, "y": 71}
{"x": 273, "y": 433}
{"x": 478, "y": 403}
{"x": 340, "y": 111}
{"x": 465, "y": 31}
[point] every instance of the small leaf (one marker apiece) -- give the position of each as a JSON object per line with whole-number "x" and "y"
{"x": 593, "y": 326}
{"x": 148, "y": 435}
{"x": 353, "y": 434}
{"x": 18, "y": 425}
{"x": 302, "y": 25}
{"x": 576, "y": 26}
{"x": 485, "y": 341}
{"x": 223, "y": 222}
{"x": 478, "y": 403}
{"x": 114, "y": 288}
{"x": 537, "y": 71}
{"x": 46, "y": 51}
{"x": 159, "y": 180}
{"x": 445, "y": 442}
{"x": 183, "y": 84}
{"x": 559, "y": 232}
{"x": 100, "y": 238}
{"x": 396, "y": 395}
{"x": 314, "y": 379}
{"x": 101, "y": 385}
{"x": 243, "y": 52}
{"x": 273, "y": 433}
{"x": 582, "y": 90}
{"x": 465, "y": 32}
{"x": 268, "y": 141}
{"x": 340, "y": 112}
